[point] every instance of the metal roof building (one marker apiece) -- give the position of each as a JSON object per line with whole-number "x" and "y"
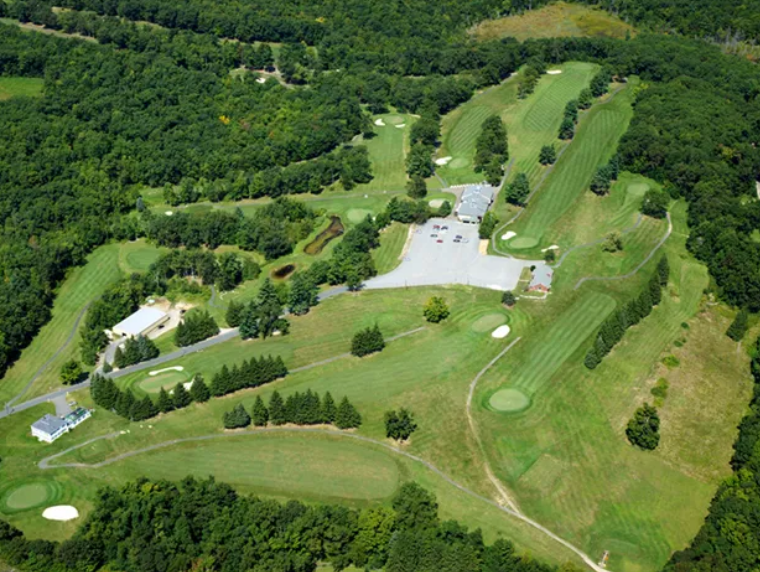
{"x": 140, "y": 323}
{"x": 475, "y": 202}
{"x": 49, "y": 428}
{"x": 541, "y": 279}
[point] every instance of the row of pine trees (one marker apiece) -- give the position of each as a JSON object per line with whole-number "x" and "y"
{"x": 299, "y": 408}
{"x": 614, "y": 327}
{"x": 250, "y": 373}
{"x": 135, "y": 350}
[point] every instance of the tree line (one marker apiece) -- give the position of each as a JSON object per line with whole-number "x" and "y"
{"x": 215, "y": 528}
{"x": 614, "y": 327}
{"x": 491, "y": 149}
{"x": 298, "y": 408}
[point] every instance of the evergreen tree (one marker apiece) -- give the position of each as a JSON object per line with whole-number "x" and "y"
{"x": 143, "y": 409}
{"x": 592, "y": 359}
{"x": 180, "y": 396}
{"x": 118, "y": 357}
{"x": 277, "y": 409}
{"x": 146, "y": 349}
{"x": 234, "y": 314}
{"x": 367, "y": 341}
{"x": 164, "y": 403}
{"x": 416, "y": 187}
{"x": 237, "y": 418}
{"x": 663, "y": 270}
{"x": 600, "y": 182}
{"x": 347, "y": 417}
{"x": 199, "y": 391}
{"x": 249, "y": 323}
{"x": 585, "y": 99}
{"x": 738, "y": 327}
{"x": 124, "y": 403}
{"x": 107, "y": 367}
{"x": 329, "y": 411}
{"x": 655, "y": 289}
{"x": 508, "y": 298}
{"x": 571, "y": 110}
{"x": 303, "y": 294}
{"x": 71, "y": 372}
{"x": 260, "y": 413}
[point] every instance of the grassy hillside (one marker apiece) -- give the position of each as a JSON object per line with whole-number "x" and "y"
{"x": 555, "y": 21}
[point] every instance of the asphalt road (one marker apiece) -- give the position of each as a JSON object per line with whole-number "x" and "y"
{"x": 11, "y": 409}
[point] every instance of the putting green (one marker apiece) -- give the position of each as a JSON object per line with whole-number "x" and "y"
{"x": 509, "y": 401}
{"x": 523, "y": 242}
{"x": 488, "y": 322}
{"x": 167, "y": 380}
{"x": 358, "y": 215}
{"x": 393, "y": 119}
{"x": 140, "y": 260}
{"x": 19, "y": 496}
{"x": 458, "y": 163}
{"x": 637, "y": 189}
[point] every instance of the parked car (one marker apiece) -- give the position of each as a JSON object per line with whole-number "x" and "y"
{"x": 457, "y": 240}
{"x": 436, "y": 226}
{"x": 459, "y": 236}
{"x": 444, "y": 227}
{"x": 439, "y": 241}
{"x": 433, "y": 235}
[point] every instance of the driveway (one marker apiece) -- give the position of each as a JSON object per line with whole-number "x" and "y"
{"x": 432, "y": 263}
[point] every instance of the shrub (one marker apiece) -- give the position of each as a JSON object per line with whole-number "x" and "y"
{"x": 236, "y": 418}
{"x": 643, "y": 430}
{"x": 436, "y": 310}
{"x": 71, "y": 372}
{"x": 367, "y": 341}
{"x": 739, "y": 326}
{"x": 508, "y": 298}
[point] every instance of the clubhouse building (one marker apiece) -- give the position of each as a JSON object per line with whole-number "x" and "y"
{"x": 50, "y": 427}
{"x": 475, "y": 201}
{"x": 141, "y": 323}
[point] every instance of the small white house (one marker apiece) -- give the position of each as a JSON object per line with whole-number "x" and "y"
{"x": 50, "y": 427}
{"x": 141, "y": 323}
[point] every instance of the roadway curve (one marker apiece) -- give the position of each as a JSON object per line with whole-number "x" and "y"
{"x": 44, "y": 464}
{"x": 10, "y": 409}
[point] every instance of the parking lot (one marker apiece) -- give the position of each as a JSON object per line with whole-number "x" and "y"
{"x": 446, "y": 259}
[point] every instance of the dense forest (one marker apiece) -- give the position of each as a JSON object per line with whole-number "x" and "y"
{"x": 157, "y": 526}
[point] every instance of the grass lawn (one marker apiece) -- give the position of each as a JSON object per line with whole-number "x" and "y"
{"x": 392, "y": 242}
{"x": 83, "y": 285}
{"x": 557, "y": 20}
{"x": 531, "y": 123}
{"x": 594, "y": 143}
{"x": 138, "y": 255}
{"x": 20, "y": 86}
{"x": 387, "y": 152}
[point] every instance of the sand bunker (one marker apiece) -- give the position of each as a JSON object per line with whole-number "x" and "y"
{"x": 261, "y": 80}
{"x": 168, "y": 213}
{"x": 442, "y": 161}
{"x": 61, "y": 513}
{"x": 508, "y": 235}
{"x": 436, "y": 203}
{"x": 552, "y": 247}
{"x": 401, "y": 126}
{"x": 173, "y": 368}
{"x": 554, "y": 72}
{"x": 500, "y": 332}
{"x": 380, "y": 122}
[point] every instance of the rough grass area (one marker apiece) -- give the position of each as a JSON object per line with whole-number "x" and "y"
{"x": 392, "y": 241}
{"x": 555, "y": 21}
{"x": 20, "y": 86}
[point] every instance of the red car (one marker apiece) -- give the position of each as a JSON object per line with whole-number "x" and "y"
{"x": 439, "y": 241}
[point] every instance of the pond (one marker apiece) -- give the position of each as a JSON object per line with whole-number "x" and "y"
{"x": 283, "y": 271}
{"x": 323, "y": 238}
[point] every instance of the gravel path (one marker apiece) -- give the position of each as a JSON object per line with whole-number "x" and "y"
{"x": 44, "y": 464}
{"x": 635, "y": 270}
{"x": 11, "y": 409}
{"x": 468, "y": 409}
{"x": 45, "y": 365}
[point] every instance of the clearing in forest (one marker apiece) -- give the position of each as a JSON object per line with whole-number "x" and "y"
{"x": 20, "y": 86}
{"x": 555, "y": 21}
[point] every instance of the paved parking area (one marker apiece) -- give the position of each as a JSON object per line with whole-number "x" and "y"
{"x": 432, "y": 261}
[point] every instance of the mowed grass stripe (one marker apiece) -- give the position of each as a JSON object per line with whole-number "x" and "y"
{"x": 81, "y": 286}
{"x": 560, "y": 340}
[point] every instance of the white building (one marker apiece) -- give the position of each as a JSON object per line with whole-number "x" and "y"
{"x": 50, "y": 427}
{"x": 141, "y": 323}
{"x": 475, "y": 201}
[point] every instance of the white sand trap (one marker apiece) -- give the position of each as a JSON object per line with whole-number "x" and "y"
{"x": 187, "y": 385}
{"x": 173, "y": 368}
{"x": 61, "y": 513}
{"x": 168, "y": 213}
{"x": 379, "y": 122}
{"x": 500, "y": 332}
{"x": 436, "y": 203}
{"x": 552, "y": 247}
{"x": 442, "y": 161}
{"x": 400, "y": 125}
{"x": 554, "y": 72}
{"x": 508, "y": 235}
{"x": 261, "y": 80}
